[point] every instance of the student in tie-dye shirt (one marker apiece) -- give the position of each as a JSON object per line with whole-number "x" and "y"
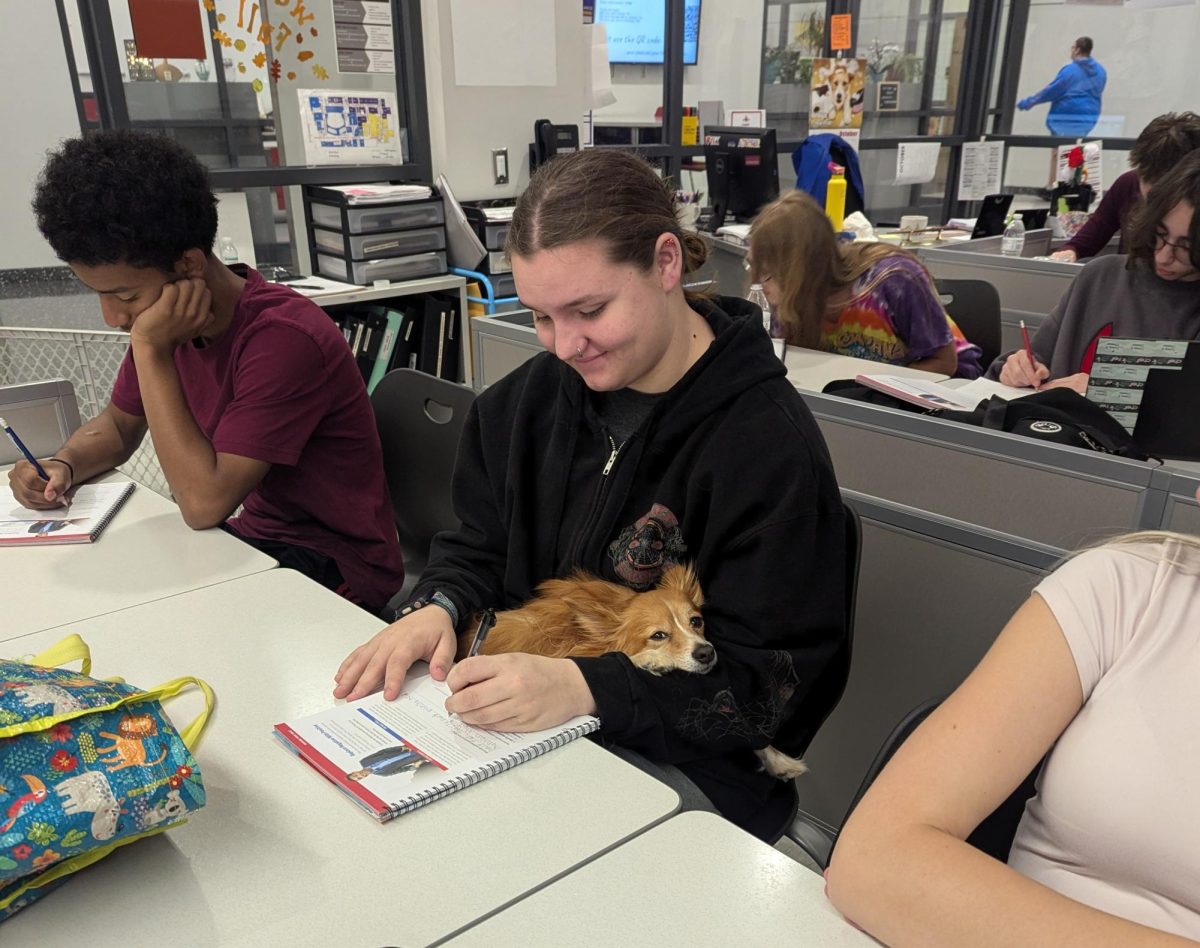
{"x": 866, "y": 300}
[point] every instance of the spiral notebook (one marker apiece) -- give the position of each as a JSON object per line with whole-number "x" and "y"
{"x": 392, "y": 757}
{"x": 89, "y": 509}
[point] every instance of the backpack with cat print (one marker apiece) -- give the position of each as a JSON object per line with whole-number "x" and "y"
{"x": 86, "y": 766}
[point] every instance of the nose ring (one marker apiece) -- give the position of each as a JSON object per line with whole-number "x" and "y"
{"x": 579, "y": 352}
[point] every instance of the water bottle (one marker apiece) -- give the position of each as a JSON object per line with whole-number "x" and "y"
{"x": 759, "y": 299}
{"x": 835, "y": 196}
{"x": 1012, "y": 244}
{"x": 227, "y": 250}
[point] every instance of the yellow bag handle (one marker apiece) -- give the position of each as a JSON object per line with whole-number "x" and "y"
{"x": 191, "y": 733}
{"x": 65, "y": 651}
{"x": 73, "y": 648}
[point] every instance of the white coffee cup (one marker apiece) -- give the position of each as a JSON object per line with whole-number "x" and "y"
{"x": 911, "y": 222}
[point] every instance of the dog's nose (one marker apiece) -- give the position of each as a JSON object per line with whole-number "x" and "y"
{"x": 704, "y": 654}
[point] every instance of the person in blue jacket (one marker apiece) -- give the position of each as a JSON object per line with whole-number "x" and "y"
{"x": 1074, "y": 95}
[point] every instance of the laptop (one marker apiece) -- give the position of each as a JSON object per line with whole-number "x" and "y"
{"x": 44, "y": 414}
{"x": 992, "y": 216}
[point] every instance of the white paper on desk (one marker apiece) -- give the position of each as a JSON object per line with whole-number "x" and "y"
{"x": 982, "y": 171}
{"x": 504, "y": 42}
{"x": 600, "y": 91}
{"x": 916, "y": 162}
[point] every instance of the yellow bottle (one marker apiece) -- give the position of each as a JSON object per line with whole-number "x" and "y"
{"x": 835, "y": 196}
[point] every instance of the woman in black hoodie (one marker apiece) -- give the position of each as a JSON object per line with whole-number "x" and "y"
{"x": 659, "y": 427}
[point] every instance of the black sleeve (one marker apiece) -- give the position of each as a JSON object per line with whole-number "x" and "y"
{"x": 772, "y": 567}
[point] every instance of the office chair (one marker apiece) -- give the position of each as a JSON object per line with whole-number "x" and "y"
{"x": 975, "y": 306}
{"x": 994, "y": 835}
{"x": 420, "y": 418}
{"x": 820, "y": 701}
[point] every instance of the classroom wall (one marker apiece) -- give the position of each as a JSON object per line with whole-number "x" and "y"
{"x": 37, "y": 112}
{"x": 728, "y": 66}
{"x": 467, "y": 122}
{"x": 1146, "y": 50}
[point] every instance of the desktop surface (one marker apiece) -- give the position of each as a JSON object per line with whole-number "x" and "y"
{"x": 145, "y": 553}
{"x": 279, "y": 856}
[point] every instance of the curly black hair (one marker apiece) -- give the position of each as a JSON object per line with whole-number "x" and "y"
{"x": 128, "y": 197}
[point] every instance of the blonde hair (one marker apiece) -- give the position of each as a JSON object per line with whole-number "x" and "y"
{"x": 793, "y": 244}
{"x": 1179, "y": 550}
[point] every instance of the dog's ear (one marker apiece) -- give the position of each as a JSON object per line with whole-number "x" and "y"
{"x": 681, "y": 578}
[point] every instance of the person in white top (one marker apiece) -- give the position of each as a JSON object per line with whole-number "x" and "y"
{"x": 1100, "y": 667}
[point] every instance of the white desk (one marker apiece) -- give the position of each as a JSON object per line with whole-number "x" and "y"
{"x": 694, "y": 880}
{"x": 145, "y": 553}
{"x": 811, "y": 370}
{"x": 279, "y": 856}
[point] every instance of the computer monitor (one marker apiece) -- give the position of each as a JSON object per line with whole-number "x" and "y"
{"x": 743, "y": 171}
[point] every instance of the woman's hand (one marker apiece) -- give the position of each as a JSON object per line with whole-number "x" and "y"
{"x": 1066, "y": 256}
{"x": 1077, "y": 382}
{"x": 1020, "y": 372}
{"x": 424, "y": 635}
{"x": 518, "y": 692}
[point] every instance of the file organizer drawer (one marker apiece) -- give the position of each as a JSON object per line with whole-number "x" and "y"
{"x": 494, "y": 236}
{"x": 378, "y": 218}
{"x": 373, "y": 246}
{"x": 366, "y": 272}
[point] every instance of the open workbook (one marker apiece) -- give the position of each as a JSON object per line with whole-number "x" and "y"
{"x": 391, "y": 757}
{"x": 89, "y": 509}
{"x": 941, "y": 395}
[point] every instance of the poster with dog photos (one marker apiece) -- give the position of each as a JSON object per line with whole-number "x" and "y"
{"x": 838, "y": 90}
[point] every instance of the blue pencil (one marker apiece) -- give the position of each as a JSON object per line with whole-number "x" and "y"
{"x": 12, "y": 436}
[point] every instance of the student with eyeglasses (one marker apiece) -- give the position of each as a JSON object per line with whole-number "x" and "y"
{"x": 1152, "y": 293}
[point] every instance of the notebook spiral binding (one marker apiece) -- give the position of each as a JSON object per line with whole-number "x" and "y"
{"x": 447, "y": 787}
{"x": 112, "y": 511}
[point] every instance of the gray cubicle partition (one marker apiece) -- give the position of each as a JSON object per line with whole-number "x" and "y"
{"x": 959, "y": 525}
{"x": 1028, "y": 288}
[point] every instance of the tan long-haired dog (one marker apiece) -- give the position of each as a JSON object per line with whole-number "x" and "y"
{"x": 661, "y": 630}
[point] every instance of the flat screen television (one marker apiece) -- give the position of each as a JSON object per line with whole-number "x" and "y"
{"x": 743, "y": 171}
{"x": 635, "y": 29}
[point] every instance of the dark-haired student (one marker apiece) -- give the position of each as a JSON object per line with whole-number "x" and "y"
{"x": 248, "y": 389}
{"x": 1165, "y": 142}
{"x": 1153, "y": 293}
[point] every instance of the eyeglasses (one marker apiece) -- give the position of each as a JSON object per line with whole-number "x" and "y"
{"x": 1181, "y": 251}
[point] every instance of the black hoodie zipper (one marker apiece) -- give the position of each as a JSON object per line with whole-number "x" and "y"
{"x": 597, "y": 504}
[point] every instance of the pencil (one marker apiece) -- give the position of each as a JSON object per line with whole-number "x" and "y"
{"x": 20, "y": 446}
{"x": 485, "y": 626}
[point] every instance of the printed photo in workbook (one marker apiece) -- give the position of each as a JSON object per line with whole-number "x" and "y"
{"x": 391, "y": 757}
{"x": 82, "y": 519}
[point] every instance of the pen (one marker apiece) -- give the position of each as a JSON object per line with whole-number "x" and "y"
{"x": 302, "y": 286}
{"x": 1028, "y": 348}
{"x": 20, "y": 445}
{"x": 485, "y": 626}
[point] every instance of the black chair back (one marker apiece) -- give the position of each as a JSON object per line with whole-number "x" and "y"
{"x": 420, "y": 419}
{"x": 975, "y": 306}
{"x": 995, "y": 834}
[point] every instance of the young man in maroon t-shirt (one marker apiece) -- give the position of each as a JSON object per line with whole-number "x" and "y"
{"x": 249, "y": 390}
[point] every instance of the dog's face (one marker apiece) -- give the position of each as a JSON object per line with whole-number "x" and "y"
{"x": 662, "y": 630}
{"x": 839, "y": 85}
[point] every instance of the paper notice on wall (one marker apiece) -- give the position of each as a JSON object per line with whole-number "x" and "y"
{"x": 363, "y": 36}
{"x": 982, "y": 171}
{"x": 600, "y": 91}
{"x": 349, "y": 127}
{"x": 1093, "y": 162}
{"x": 916, "y": 162}
{"x": 504, "y": 42}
